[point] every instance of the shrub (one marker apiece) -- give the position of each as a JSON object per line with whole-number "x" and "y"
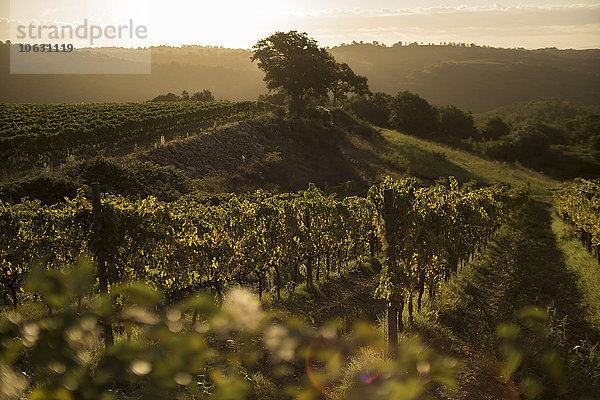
{"x": 495, "y": 128}
{"x": 413, "y": 114}
{"x": 523, "y": 144}
{"x": 456, "y": 122}
{"x": 375, "y": 108}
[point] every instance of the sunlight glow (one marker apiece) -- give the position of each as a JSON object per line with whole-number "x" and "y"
{"x": 240, "y": 23}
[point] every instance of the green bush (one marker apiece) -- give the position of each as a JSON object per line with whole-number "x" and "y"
{"x": 495, "y": 128}
{"x": 524, "y": 144}
{"x": 456, "y": 122}
{"x": 375, "y": 108}
{"x": 413, "y": 114}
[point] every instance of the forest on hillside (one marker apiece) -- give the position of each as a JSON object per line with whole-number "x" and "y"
{"x": 471, "y": 77}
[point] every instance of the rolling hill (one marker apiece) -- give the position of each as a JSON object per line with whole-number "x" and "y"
{"x": 473, "y": 77}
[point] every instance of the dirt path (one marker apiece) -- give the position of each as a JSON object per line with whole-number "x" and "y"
{"x": 348, "y": 297}
{"x": 524, "y": 266}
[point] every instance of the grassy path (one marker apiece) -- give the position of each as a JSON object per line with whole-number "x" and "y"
{"x": 431, "y": 160}
{"x": 584, "y": 267}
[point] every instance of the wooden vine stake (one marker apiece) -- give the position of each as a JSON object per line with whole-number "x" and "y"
{"x": 392, "y": 310}
{"x": 100, "y": 256}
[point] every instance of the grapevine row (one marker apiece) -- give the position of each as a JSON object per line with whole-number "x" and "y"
{"x": 31, "y": 128}
{"x": 578, "y": 202}
{"x": 187, "y": 245}
{"x": 432, "y": 231}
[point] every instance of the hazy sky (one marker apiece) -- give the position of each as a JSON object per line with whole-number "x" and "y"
{"x": 233, "y": 23}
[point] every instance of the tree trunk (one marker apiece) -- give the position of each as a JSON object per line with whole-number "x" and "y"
{"x": 410, "y": 309}
{"x": 318, "y": 269}
{"x": 388, "y": 214}
{"x": 260, "y": 288}
{"x": 400, "y": 312}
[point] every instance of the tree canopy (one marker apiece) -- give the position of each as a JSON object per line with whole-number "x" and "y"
{"x": 294, "y": 63}
{"x": 413, "y": 114}
{"x": 456, "y": 122}
{"x": 495, "y": 128}
{"x": 343, "y": 80}
{"x": 375, "y": 108}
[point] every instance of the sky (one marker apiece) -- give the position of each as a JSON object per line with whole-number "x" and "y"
{"x": 239, "y": 24}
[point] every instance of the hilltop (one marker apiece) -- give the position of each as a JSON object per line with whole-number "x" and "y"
{"x": 263, "y": 152}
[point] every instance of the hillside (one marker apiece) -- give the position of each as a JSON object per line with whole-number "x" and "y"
{"x": 264, "y": 152}
{"x": 475, "y": 78}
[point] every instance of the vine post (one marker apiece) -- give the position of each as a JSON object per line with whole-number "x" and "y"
{"x": 309, "y": 272}
{"x": 100, "y": 255}
{"x": 392, "y": 310}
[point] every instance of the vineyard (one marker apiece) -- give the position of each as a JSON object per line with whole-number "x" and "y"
{"x": 340, "y": 238}
{"x": 578, "y": 202}
{"x": 34, "y": 128}
{"x": 267, "y": 241}
{"x": 166, "y": 270}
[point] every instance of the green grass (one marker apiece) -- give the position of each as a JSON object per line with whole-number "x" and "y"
{"x": 529, "y": 263}
{"x": 430, "y": 160}
{"x": 583, "y": 265}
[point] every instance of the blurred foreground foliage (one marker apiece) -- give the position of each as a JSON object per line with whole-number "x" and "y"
{"x": 52, "y": 348}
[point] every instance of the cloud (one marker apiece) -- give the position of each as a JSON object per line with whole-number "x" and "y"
{"x": 573, "y": 25}
{"x": 442, "y": 9}
{"x": 472, "y": 16}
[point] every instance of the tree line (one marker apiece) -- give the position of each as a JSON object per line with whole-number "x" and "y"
{"x": 204, "y": 95}
{"x": 299, "y": 73}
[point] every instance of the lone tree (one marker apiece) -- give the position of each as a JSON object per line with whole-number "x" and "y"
{"x": 294, "y": 64}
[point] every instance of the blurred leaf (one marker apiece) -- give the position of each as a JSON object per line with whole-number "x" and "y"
{"x": 531, "y": 387}
{"x": 139, "y": 294}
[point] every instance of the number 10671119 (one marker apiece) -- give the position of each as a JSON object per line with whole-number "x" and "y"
{"x": 46, "y": 48}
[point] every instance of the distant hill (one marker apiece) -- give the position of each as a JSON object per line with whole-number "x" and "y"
{"x": 478, "y": 78}
{"x": 471, "y": 77}
{"x": 229, "y": 74}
